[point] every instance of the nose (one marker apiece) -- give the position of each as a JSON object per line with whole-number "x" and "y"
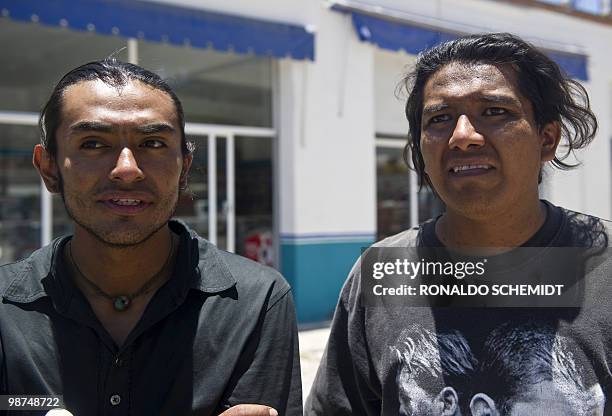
{"x": 126, "y": 169}
{"x": 465, "y": 135}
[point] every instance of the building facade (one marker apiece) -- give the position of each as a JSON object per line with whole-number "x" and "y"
{"x": 296, "y": 110}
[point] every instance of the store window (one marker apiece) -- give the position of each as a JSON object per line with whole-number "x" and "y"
{"x": 254, "y": 221}
{"x": 19, "y": 193}
{"x": 591, "y": 6}
{"x": 252, "y": 229}
{"x": 214, "y": 87}
{"x": 400, "y": 203}
{"x": 34, "y": 57}
{"x": 392, "y": 192}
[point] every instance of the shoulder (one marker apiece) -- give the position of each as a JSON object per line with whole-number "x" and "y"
{"x": 255, "y": 282}
{"x": 584, "y": 230}
{"x": 411, "y": 237}
{"x": 21, "y": 280}
{"x": 407, "y": 238}
{"x": 8, "y": 272}
{"x": 250, "y": 274}
{"x": 220, "y": 270}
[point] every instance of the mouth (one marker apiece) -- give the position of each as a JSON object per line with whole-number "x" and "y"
{"x": 126, "y": 206}
{"x": 471, "y": 169}
{"x": 126, "y": 202}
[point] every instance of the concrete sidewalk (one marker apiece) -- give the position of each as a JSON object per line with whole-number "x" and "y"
{"x": 312, "y": 344}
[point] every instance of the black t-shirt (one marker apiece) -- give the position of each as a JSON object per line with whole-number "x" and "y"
{"x": 460, "y": 361}
{"x": 551, "y": 233}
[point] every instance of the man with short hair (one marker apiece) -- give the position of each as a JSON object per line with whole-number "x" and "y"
{"x": 431, "y": 367}
{"x": 528, "y": 369}
{"x": 486, "y": 113}
{"x": 135, "y": 314}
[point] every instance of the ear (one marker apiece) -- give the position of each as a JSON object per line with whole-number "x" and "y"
{"x": 550, "y": 135}
{"x": 47, "y": 168}
{"x": 187, "y": 160}
{"x": 482, "y": 405}
{"x": 449, "y": 401}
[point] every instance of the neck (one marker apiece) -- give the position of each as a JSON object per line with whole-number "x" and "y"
{"x": 120, "y": 270}
{"x": 507, "y": 229}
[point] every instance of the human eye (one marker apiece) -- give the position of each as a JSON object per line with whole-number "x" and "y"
{"x": 92, "y": 144}
{"x": 439, "y": 118}
{"x": 154, "y": 143}
{"x": 495, "y": 111}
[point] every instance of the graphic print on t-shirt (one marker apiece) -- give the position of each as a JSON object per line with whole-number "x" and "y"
{"x": 520, "y": 369}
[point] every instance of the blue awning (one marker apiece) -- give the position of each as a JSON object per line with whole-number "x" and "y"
{"x": 164, "y": 23}
{"x": 398, "y": 35}
{"x": 573, "y": 64}
{"x": 395, "y": 36}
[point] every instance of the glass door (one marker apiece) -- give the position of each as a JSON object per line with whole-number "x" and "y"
{"x": 20, "y": 192}
{"x": 254, "y": 199}
{"x": 229, "y": 200}
{"x": 400, "y": 204}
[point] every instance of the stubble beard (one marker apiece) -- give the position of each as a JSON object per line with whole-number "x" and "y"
{"x": 109, "y": 237}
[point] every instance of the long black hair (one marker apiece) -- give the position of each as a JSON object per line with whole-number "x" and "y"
{"x": 553, "y": 95}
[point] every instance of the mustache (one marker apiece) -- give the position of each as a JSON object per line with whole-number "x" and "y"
{"x": 109, "y": 189}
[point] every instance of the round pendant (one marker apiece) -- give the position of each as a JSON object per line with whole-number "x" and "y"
{"x": 121, "y": 303}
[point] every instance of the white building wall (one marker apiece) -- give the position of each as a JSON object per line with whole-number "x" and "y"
{"x": 389, "y": 96}
{"x": 331, "y": 150}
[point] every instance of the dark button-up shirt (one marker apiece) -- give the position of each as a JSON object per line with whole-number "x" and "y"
{"x": 220, "y": 332}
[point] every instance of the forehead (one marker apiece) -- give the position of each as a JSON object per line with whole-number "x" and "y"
{"x": 134, "y": 102}
{"x": 457, "y": 81}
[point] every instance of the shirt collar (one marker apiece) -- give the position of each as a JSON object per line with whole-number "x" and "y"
{"x": 198, "y": 266}
{"x": 202, "y": 261}
{"x": 32, "y": 277}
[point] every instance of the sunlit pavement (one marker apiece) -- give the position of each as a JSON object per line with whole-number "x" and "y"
{"x": 312, "y": 344}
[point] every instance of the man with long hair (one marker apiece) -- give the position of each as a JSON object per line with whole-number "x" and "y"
{"x": 486, "y": 114}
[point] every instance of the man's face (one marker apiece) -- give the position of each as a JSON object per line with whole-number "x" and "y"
{"x": 481, "y": 147}
{"x": 120, "y": 161}
{"x": 416, "y": 401}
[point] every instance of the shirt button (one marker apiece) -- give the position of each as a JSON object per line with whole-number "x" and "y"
{"x": 115, "y": 399}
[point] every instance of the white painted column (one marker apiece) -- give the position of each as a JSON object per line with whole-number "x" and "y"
{"x": 414, "y": 198}
{"x": 46, "y": 215}
{"x": 212, "y": 188}
{"x": 230, "y": 192}
{"x": 132, "y": 51}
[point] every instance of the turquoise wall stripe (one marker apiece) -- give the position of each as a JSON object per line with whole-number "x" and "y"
{"x": 317, "y": 272}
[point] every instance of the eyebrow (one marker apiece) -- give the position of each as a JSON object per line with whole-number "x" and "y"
{"x": 155, "y": 128}
{"x": 100, "y": 127}
{"x": 499, "y": 99}
{"x": 488, "y": 98}
{"x": 92, "y": 126}
{"x": 434, "y": 108}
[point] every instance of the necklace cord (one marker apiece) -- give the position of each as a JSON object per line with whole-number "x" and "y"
{"x": 129, "y": 296}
